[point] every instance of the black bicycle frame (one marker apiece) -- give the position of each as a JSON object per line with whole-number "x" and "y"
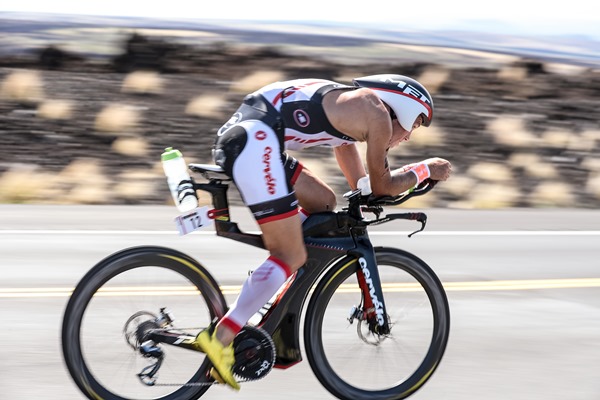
{"x": 330, "y": 238}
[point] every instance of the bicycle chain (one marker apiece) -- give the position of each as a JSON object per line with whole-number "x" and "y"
{"x": 204, "y": 383}
{"x": 249, "y": 330}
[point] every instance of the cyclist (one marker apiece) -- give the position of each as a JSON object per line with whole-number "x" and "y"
{"x": 380, "y": 110}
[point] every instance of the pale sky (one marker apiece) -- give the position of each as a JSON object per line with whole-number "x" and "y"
{"x": 529, "y": 16}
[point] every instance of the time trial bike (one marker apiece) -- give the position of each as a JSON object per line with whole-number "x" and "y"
{"x": 375, "y": 319}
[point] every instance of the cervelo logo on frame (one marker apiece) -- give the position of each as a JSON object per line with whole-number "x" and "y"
{"x": 376, "y": 303}
{"x": 269, "y": 180}
{"x": 301, "y": 117}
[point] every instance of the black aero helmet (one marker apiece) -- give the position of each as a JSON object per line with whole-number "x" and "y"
{"x": 406, "y": 97}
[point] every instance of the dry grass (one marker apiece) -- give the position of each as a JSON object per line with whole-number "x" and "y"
{"x": 557, "y": 138}
{"x": 143, "y": 82}
{"x": 458, "y": 185}
{"x": 136, "y": 184}
{"x": 116, "y": 118}
{"x": 207, "y": 106}
{"x": 55, "y": 110}
{"x": 81, "y": 182}
{"x": 511, "y": 131}
{"x": 491, "y": 195}
{"x": 552, "y": 194}
{"x": 512, "y": 73}
{"x": 533, "y": 165}
{"x": 433, "y": 78}
{"x": 593, "y": 184}
{"x": 587, "y": 140}
{"x": 130, "y": 146}
{"x": 430, "y": 136}
{"x": 25, "y": 184}
{"x": 85, "y": 183}
{"x": 256, "y": 80}
{"x": 490, "y": 172}
{"x": 23, "y": 86}
{"x": 591, "y": 163}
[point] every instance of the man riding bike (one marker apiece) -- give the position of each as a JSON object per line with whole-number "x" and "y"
{"x": 380, "y": 110}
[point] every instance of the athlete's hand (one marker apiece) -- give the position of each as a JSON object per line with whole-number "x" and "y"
{"x": 439, "y": 169}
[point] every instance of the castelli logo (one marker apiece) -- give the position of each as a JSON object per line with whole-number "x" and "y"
{"x": 269, "y": 180}
{"x": 235, "y": 118}
{"x": 302, "y": 119}
{"x": 260, "y": 135}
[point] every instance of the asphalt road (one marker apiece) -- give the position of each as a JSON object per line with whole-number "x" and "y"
{"x": 523, "y": 288}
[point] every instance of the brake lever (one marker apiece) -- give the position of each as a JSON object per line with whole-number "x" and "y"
{"x": 422, "y": 218}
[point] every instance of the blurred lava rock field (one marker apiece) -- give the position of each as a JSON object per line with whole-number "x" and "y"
{"x": 79, "y": 130}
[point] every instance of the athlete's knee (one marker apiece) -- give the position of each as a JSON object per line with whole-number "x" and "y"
{"x": 330, "y": 201}
{"x": 294, "y": 258}
{"x": 325, "y": 201}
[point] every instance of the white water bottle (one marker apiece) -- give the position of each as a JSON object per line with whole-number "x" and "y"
{"x": 179, "y": 180}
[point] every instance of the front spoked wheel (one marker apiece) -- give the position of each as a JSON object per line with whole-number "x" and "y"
{"x": 110, "y": 315}
{"x": 349, "y": 359}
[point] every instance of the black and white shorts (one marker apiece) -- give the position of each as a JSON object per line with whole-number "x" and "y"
{"x": 252, "y": 154}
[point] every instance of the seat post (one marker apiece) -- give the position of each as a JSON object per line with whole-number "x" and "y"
{"x": 218, "y": 193}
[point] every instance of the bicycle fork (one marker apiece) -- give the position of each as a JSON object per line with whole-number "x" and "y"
{"x": 373, "y": 309}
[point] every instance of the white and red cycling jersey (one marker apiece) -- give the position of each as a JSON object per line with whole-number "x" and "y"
{"x": 251, "y": 146}
{"x": 299, "y": 103}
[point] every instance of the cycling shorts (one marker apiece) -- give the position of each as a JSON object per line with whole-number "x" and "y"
{"x": 252, "y": 154}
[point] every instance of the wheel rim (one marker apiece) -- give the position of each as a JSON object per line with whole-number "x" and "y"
{"x": 395, "y": 366}
{"x": 101, "y": 358}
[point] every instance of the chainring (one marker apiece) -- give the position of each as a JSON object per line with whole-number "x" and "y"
{"x": 254, "y": 353}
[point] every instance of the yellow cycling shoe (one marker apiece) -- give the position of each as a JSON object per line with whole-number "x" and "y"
{"x": 215, "y": 375}
{"x": 221, "y": 357}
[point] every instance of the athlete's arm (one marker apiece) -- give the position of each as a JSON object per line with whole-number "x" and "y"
{"x": 363, "y": 116}
{"x": 350, "y": 163}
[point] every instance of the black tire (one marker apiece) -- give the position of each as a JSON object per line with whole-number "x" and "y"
{"x": 349, "y": 367}
{"x": 95, "y": 350}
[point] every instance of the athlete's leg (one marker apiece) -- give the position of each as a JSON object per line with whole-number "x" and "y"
{"x": 313, "y": 194}
{"x": 251, "y": 153}
{"x": 283, "y": 238}
{"x": 284, "y": 241}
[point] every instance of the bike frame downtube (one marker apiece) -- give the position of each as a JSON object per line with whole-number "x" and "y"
{"x": 370, "y": 282}
{"x": 282, "y": 320}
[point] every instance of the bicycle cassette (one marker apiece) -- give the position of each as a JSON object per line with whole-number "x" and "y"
{"x": 254, "y": 353}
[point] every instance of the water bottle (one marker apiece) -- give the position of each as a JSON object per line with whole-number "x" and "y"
{"x": 179, "y": 180}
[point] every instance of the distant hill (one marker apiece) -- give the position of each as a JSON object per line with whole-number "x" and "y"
{"x": 21, "y": 32}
